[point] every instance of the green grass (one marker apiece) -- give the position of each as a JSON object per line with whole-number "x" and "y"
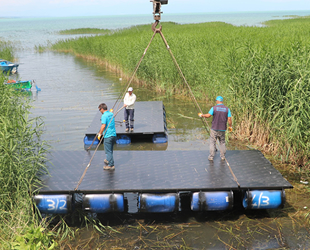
{"x": 84, "y": 31}
{"x": 262, "y": 72}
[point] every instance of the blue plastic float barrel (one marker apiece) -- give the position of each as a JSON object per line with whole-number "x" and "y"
{"x": 160, "y": 138}
{"x": 88, "y": 140}
{"x": 264, "y": 199}
{"x": 123, "y": 139}
{"x": 158, "y": 203}
{"x": 53, "y": 204}
{"x": 212, "y": 201}
{"x": 103, "y": 203}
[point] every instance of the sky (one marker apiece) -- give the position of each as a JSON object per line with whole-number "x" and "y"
{"x": 63, "y": 8}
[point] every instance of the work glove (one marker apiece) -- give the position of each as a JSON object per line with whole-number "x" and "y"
{"x": 99, "y": 136}
{"x": 230, "y": 129}
{"x": 199, "y": 114}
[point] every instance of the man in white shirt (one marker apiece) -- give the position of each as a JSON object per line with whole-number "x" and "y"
{"x": 129, "y": 104}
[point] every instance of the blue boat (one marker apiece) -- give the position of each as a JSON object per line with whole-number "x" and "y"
{"x": 7, "y": 66}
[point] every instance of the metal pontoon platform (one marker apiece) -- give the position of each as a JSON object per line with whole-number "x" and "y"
{"x": 160, "y": 171}
{"x": 149, "y": 119}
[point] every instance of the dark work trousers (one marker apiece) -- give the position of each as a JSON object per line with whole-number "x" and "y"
{"x": 214, "y": 135}
{"x": 129, "y": 113}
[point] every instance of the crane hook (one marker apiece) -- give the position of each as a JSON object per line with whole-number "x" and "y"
{"x": 154, "y": 27}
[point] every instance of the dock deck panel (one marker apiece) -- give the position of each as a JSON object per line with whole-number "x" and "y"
{"x": 254, "y": 171}
{"x": 148, "y": 119}
{"x": 160, "y": 171}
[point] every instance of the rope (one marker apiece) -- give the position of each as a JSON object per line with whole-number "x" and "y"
{"x": 82, "y": 177}
{"x": 193, "y": 98}
{"x": 135, "y": 71}
{"x": 119, "y": 98}
{"x": 184, "y": 79}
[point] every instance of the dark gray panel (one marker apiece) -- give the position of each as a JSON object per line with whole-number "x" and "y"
{"x": 157, "y": 170}
{"x": 254, "y": 171}
{"x": 148, "y": 119}
{"x": 65, "y": 168}
{"x": 161, "y": 171}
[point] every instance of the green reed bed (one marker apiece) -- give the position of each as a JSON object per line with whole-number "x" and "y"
{"x": 21, "y": 161}
{"x": 6, "y": 50}
{"x": 262, "y": 72}
{"x": 84, "y": 31}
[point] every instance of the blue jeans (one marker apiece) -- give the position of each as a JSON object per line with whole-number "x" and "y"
{"x": 129, "y": 113}
{"x": 108, "y": 149}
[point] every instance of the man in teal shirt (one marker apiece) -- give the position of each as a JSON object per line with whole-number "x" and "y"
{"x": 109, "y": 135}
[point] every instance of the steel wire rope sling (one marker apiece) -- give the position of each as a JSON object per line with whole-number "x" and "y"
{"x": 191, "y": 93}
{"x": 133, "y": 74}
{"x": 82, "y": 177}
{"x": 157, "y": 12}
{"x": 117, "y": 100}
{"x": 122, "y": 94}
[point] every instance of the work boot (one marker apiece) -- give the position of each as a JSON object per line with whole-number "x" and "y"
{"x": 108, "y": 168}
{"x": 131, "y": 130}
{"x": 106, "y": 161}
{"x": 127, "y": 130}
{"x": 210, "y": 158}
{"x": 223, "y": 158}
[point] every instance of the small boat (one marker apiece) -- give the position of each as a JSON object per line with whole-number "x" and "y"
{"x": 19, "y": 85}
{"x": 7, "y": 66}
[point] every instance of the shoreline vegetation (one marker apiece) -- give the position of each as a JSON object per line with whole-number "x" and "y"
{"x": 6, "y": 51}
{"x": 21, "y": 162}
{"x": 84, "y": 31}
{"x": 262, "y": 72}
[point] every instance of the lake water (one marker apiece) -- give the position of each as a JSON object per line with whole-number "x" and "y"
{"x": 73, "y": 88}
{"x": 34, "y": 31}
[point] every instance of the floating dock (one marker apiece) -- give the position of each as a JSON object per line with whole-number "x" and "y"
{"x": 149, "y": 124}
{"x": 160, "y": 181}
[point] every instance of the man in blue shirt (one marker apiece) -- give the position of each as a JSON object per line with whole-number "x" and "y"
{"x": 109, "y": 135}
{"x": 221, "y": 114}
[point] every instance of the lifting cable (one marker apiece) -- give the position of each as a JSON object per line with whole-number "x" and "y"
{"x": 135, "y": 71}
{"x": 191, "y": 93}
{"x": 122, "y": 94}
{"x": 120, "y": 97}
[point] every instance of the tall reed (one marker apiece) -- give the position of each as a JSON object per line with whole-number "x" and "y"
{"x": 84, "y": 31}
{"x": 22, "y": 157}
{"x": 6, "y": 50}
{"x": 262, "y": 72}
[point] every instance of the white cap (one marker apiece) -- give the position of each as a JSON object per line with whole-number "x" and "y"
{"x": 130, "y": 89}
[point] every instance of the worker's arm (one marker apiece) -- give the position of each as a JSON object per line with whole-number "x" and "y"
{"x": 101, "y": 131}
{"x": 125, "y": 100}
{"x": 207, "y": 115}
{"x": 229, "y": 121}
{"x": 204, "y": 115}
